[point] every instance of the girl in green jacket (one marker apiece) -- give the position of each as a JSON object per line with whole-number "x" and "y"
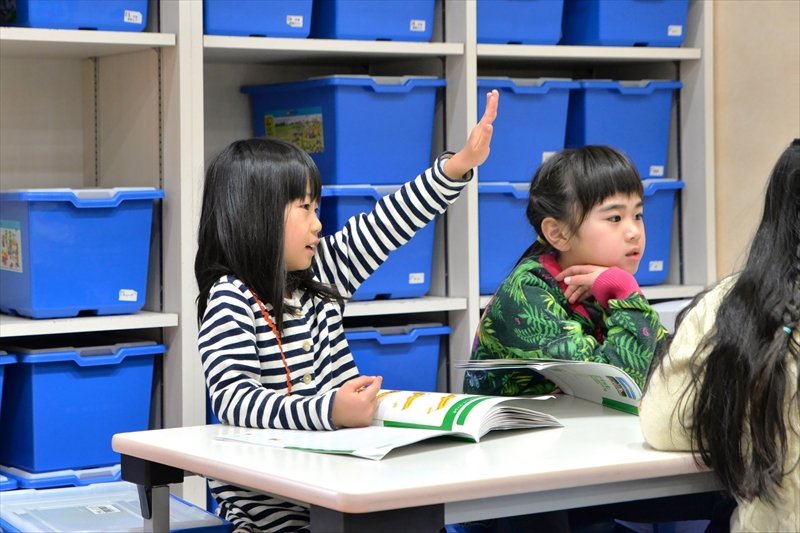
{"x": 572, "y": 294}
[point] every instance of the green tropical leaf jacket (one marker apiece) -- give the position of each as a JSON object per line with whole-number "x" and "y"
{"x": 530, "y": 318}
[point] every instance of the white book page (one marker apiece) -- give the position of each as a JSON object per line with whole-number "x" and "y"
{"x": 372, "y": 442}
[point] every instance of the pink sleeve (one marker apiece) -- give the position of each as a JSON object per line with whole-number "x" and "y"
{"x": 614, "y": 284}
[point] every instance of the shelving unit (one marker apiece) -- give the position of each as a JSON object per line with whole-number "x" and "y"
{"x": 81, "y": 108}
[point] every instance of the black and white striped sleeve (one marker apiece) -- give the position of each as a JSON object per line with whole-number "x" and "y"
{"x": 245, "y": 376}
{"x": 350, "y": 255}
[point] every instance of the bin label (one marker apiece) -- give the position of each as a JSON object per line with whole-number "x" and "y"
{"x": 132, "y": 17}
{"x": 417, "y": 25}
{"x": 416, "y": 278}
{"x": 128, "y": 295}
{"x": 674, "y": 30}
{"x": 294, "y": 21}
{"x": 656, "y": 266}
{"x": 301, "y": 126}
{"x": 657, "y": 171}
{"x": 103, "y": 509}
{"x": 10, "y": 246}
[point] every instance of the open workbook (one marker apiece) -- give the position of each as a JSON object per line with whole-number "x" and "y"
{"x": 601, "y": 383}
{"x": 406, "y": 417}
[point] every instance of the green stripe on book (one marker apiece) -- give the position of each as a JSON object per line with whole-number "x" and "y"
{"x": 621, "y": 406}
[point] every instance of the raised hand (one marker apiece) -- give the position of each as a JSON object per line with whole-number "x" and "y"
{"x": 476, "y": 149}
{"x": 355, "y": 403}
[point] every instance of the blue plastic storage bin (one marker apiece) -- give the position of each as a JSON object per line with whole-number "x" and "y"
{"x": 260, "y": 18}
{"x": 504, "y": 232}
{"x": 358, "y": 129}
{"x": 659, "y": 200}
{"x": 371, "y": 20}
{"x": 519, "y": 21}
{"x": 625, "y": 22}
{"x": 7, "y": 483}
{"x": 406, "y": 356}
{"x": 5, "y": 359}
{"x": 407, "y": 271}
{"x": 66, "y": 397}
{"x": 62, "y": 478}
{"x": 633, "y": 116}
{"x": 531, "y": 127}
{"x": 112, "y": 15}
{"x": 106, "y": 508}
{"x": 67, "y": 252}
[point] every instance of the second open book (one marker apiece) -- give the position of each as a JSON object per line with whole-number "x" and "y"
{"x": 406, "y": 417}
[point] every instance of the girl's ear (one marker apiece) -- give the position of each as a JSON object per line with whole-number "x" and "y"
{"x": 556, "y": 234}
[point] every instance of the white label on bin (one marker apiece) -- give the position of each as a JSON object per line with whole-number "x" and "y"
{"x": 102, "y": 509}
{"x": 10, "y": 246}
{"x": 656, "y": 171}
{"x": 294, "y": 21}
{"x": 416, "y": 278}
{"x": 417, "y": 25}
{"x": 132, "y": 17}
{"x": 655, "y": 266}
{"x": 547, "y": 155}
{"x": 301, "y": 126}
{"x": 674, "y": 30}
{"x": 128, "y": 295}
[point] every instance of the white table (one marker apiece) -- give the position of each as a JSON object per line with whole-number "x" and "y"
{"x": 599, "y": 457}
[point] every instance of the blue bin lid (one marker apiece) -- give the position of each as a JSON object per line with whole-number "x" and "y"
{"x": 6, "y": 358}
{"x": 527, "y": 85}
{"x": 396, "y": 334}
{"x": 63, "y": 478}
{"x": 379, "y": 84}
{"x": 83, "y": 197}
{"x": 7, "y": 483}
{"x": 83, "y": 355}
{"x": 71, "y": 509}
{"x": 652, "y": 186}
{"x": 632, "y": 87}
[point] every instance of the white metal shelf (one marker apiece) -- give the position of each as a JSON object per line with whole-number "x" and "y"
{"x": 265, "y": 49}
{"x": 76, "y": 44}
{"x": 654, "y": 292}
{"x": 426, "y": 304}
{"x": 14, "y": 326}
{"x": 594, "y": 54}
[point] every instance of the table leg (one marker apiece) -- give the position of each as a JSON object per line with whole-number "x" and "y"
{"x": 152, "y": 480}
{"x": 426, "y": 519}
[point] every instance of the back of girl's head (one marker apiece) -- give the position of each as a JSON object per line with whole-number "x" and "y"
{"x": 246, "y": 190}
{"x": 570, "y": 183}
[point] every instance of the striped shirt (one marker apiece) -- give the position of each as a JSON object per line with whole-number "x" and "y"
{"x": 245, "y": 376}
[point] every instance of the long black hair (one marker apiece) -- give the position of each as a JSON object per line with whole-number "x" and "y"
{"x": 570, "y": 183}
{"x": 739, "y": 427}
{"x": 247, "y": 188}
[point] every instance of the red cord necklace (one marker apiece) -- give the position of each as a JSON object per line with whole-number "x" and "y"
{"x": 280, "y": 345}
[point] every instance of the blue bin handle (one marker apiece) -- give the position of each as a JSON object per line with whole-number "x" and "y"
{"x": 401, "y": 84}
{"x": 632, "y": 87}
{"x": 93, "y": 356}
{"x": 406, "y": 338}
{"x": 527, "y": 85}
{"x": 362, "y": 191}
{"x": 520, "y": 191}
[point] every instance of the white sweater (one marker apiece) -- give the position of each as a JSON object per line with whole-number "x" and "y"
{"x": 660, "y": 416}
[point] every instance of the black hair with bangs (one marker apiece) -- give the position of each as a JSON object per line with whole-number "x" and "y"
{"x": 246, "y": 190}
{"x": 570, "y": 183}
